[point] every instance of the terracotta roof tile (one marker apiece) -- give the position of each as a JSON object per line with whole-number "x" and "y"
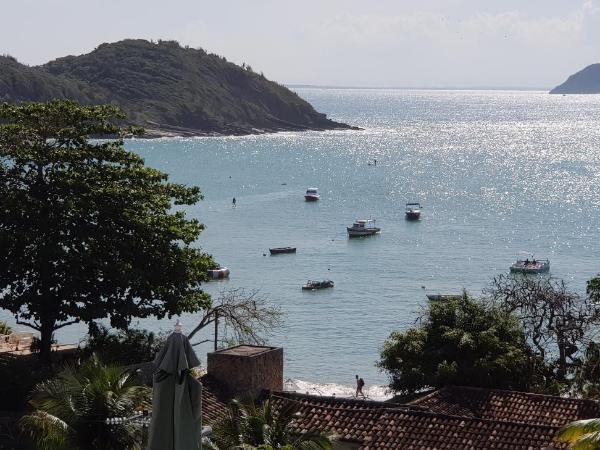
{"x": 534, "y": 409}
{"x": 412, "y": 430}
{"x": 452, "y": 418}
{"x": 388, "y": 426}
{"x": 350, "y": 419}
{"x": 215, "y": 400}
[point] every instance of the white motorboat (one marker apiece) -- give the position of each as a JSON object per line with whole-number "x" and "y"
{"x": 312, "y": 195}
{"x": 219, "y": 273}
{"x": 413, "y": 211}
{"x": 363, "y": 227}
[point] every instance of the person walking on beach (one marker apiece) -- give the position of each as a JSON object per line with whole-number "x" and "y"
{"x": 233, "y": 202}
{"x": 359, "y": 387}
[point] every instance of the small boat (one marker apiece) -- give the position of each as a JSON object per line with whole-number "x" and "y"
{"x": 530, "y": 265}
{"x": 219, "y": 273}
{"x": 312, "y": 195}
{"x": 313, "y": 285}
{"x": 413, "y": 211}
{"x": 363, "y": 227}
{"x": 280, "y": 250}
{"x": 443, "y": 297}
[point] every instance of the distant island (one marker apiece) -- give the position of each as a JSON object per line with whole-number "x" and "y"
{"x": 167, "y": 89}
{"x": 586, "y": 81}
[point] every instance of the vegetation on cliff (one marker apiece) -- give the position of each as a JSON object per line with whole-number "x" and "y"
{"x": 165, "y": 88}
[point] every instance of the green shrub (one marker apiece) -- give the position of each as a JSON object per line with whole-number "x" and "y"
{"x": 4, "y": 328}
{"x": 122, "y": 347}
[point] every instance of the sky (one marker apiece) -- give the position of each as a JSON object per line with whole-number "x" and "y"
{"x": 371, "y": 43}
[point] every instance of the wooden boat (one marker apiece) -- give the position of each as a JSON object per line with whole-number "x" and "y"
{"x": 279, "y": 250}
{"x": 443, "y": 297}
{"x": 413, "y": 211}
{"x": 219, "y": 273}
{"x": 312, "y": 195}
{"x": 532, "y": 265}
{"x": 363, "y": 227}
{"x": 314, "y": 285}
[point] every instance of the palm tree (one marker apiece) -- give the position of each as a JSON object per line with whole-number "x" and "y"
{"x": 582, "y": 434}
{"x": 70, "y": 411}
{"x": 250, "y": 426}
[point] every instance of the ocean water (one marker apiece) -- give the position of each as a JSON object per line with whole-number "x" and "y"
{"x": 497, "y": 172}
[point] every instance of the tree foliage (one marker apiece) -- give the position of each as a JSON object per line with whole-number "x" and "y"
{"x": 245, "y": 317}
{"x": 86, "y": 229}
{"x": 582, "y": 434}
{"x": 4, "y": 328}
{"x": 587, "y": 375}
{"x": 250, "y": 426}
{"x": 70, "y": 411}
{"x": 559, "y": 323}
{"x": 593, "y": 290}
{"x": 167, "y": 87}
{"x": 122, "y": 347}
{"x": 459, "y": 341}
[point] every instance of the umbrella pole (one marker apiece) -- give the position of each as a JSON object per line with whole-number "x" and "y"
{"x": 201, "y": 431}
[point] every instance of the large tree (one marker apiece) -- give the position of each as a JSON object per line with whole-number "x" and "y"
{"x": 87, "y": 231}
{"x": 558, "y": 322}
{"x": 459, "y": 341}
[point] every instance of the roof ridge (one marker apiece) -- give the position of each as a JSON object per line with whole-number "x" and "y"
{"x": 426, "y": 396}
{"x": 533, "y": 394}
{"x": 365, "y": 403}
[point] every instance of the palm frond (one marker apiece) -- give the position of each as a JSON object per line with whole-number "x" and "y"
{"x": 575, "y": 430}
{"x": 590, "y": 441}
{"x": 47, "y": 431}
{"x": 82, "y": 399}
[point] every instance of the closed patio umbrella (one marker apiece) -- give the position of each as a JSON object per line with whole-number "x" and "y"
{"x": 176, "y": 404}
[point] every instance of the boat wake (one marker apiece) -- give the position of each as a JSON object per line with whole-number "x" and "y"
{"x": 378, "y": 393}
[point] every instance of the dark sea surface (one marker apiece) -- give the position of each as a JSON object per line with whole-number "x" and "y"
{"x": 497, "y": 172}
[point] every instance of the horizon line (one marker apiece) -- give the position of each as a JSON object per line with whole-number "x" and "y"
{"x": 421, "y": 88}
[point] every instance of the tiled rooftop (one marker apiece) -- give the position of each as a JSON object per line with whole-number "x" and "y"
{"x": 214, "y": 400}
{"x": 533, "y": 409}
{"x": 388, "y": 426}
{"x": 452, "y": 418}
{"x": 412, "y": 430}
{"x": 351, "y": 420}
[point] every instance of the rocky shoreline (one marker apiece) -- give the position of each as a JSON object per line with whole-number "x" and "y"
{"x": 156, "y": 131}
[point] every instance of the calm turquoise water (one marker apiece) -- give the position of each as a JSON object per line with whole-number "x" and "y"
{"x": 497, "y": 172}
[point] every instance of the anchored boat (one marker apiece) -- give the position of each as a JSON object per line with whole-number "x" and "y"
{"x": 219, "y": 273}
{"x": 363, "y": 227}
{"x": 312, "y": 195}
{"x": 279, "y": 250}
{"x": 413, "y": 211}
{"x": 530, "y": 265}
{"x": 313, "y": 285}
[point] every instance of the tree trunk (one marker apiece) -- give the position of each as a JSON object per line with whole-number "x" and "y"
{"x": 562, "y": 357}
{"x": 46, "y": 331}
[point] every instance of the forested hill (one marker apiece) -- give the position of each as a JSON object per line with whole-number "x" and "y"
{"x": 167, "y": 89}
{"x": 586, "y": 81}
